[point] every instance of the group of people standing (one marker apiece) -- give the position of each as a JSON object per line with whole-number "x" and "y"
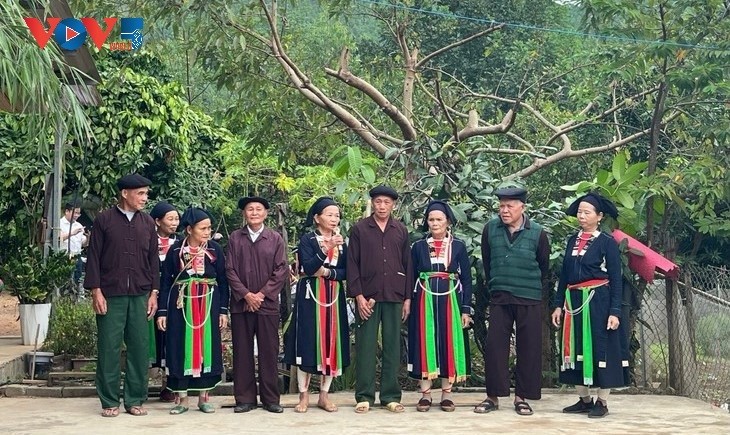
{"x": 185, "y": 285}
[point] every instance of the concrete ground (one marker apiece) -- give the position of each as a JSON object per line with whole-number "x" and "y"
{"x": 629, "y": 414}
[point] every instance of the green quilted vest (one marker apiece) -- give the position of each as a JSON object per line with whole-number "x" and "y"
{"x": 513, "y": 266}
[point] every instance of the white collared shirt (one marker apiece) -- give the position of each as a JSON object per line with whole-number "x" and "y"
{"x": 254, "y": 234}
{"x": 77, "y": 240}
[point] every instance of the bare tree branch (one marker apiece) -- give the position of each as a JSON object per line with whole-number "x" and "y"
{"x": 457, "y": 44}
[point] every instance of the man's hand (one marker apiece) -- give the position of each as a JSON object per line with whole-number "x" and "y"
{"x": 406, "y": 309}
{"x": 162, "y": 323}
{"x": 254, "y": 300}
{"x": 364, "y": 307}
{"x": 98, "y": 301}
{"x": 151, "y": 305}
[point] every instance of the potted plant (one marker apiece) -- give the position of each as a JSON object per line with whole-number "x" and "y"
{"x": 33, "y": 279}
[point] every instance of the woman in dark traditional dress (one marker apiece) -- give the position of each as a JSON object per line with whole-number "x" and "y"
{"x": 438, "y": 346}
{"x": 193, "y": 310}
{"x": 167, "y": 219}
{"x": 588, "y": 304}
{"x": 318, "y": 339}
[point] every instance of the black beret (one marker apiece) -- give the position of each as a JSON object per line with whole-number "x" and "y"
{"x": 383, "y": 190}
{"x": 316, "y": 208}
{"x": 511, "y": 190}
{"x": 161, "y": 209}
{"x": 602, "y": 205}
{"x": 133, "y": 181}
{"x": 192, "y": 216}
{"x": 246, "y": 199}
{"x": 441, "y": 206}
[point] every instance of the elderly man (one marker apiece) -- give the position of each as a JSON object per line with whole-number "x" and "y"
{"x": 256, "y": 268}
{"x": 516, "y": 255}
{"x": 378, "y": 273}
{"x": 122, "y": 272}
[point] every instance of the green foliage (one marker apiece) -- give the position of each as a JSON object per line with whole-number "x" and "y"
{"x": 29, "y": 82}
{"x": 72, "y": 328}
{"x": 620, "y": 184}
{"x": 713, "y": 335}
{"x": 32, "y": 279}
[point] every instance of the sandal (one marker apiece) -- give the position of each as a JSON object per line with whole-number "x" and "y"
{"x": 362, "y": 407}
{"x": 487, "y": 405}
{"x": 448, "y": 405}
{"x": 424, "y": 404}
{"x": 110, "y": 412}
{"x": 137, "y": 411}
{"x": 179, "y": 409}
{"x": 523, "y": 408}
{"x": 394, "y": 407}
{"x": 302, "y": 407}
{"x": 206, "y": 407}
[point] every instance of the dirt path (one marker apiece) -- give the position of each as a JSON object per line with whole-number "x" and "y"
{"x": 9, "y": 325}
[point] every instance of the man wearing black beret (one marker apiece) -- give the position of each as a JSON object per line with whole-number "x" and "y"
{"x": 516, "y": 259}
{"x": 378, "y": 276}
{"x": 256, "y": 268}
{"x": 122, "y": 272}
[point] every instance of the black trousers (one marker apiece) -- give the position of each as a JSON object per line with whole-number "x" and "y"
{"x": 527, "y": 320}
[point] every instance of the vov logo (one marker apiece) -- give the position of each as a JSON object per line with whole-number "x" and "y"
{"x": 70, "y": 33}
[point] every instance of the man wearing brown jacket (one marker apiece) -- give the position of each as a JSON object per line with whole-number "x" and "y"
{"x": 122, "y": 272}
{"x": 378, "y": 273}
{"x": 256, "y": 268}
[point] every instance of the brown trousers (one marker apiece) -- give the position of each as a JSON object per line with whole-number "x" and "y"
{"x": 527, "y": 321}
{"x": 244, "y": 327}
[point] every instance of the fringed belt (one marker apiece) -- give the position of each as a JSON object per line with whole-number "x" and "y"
{"x": 455, "y": 350}
{"x": 587, "y": 289}
{"x": 327, "y": 319}
{"x": 194, "y": 299}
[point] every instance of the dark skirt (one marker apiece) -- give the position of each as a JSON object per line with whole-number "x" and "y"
{"x": 175, "y": 348}
{"x": 444, "y": 353}
{"x": 610, "y": 347}
{"x": 300, "y": 339}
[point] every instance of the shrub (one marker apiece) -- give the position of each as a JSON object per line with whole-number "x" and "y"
{"x": 72, "y": 328}
{"x": 713, "y": 335}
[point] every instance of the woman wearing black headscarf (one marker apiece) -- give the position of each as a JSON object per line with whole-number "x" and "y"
{"x": 193, "y": 310}
{"x": 318, "y": 338}
{"x": 440, "y": 308}
{"x": 588, "y": 304}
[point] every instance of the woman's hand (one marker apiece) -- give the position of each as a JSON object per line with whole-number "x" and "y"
{"x": 466, "y": 321}
{"x": 557, "y": 314}
{"x": 162, "y": 323}
{"x": 613, "y": 323}
{"x": 223, "y": 321}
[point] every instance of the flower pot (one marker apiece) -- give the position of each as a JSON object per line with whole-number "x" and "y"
{"x": 32, "y": 315}
{"x": 43, "y": 362}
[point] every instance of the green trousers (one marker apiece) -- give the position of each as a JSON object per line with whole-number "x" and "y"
{"x": 125, "y": 320}
{"x": 387, "y": 314}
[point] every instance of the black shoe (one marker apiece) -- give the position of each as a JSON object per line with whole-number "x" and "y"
{"x": 579, "y": 407}
{"x": 599, "y": 410}
{"x": 274, "y": 407}
{"x": 244, "y": 407}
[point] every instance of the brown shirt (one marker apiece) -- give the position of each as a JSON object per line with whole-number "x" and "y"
{"x": 259, "y": 266}
{"x": 122, "y": 258}
{"x": 379, "y": 261}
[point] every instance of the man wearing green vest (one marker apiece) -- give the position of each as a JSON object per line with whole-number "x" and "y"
{"x": 516, "y": 255}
